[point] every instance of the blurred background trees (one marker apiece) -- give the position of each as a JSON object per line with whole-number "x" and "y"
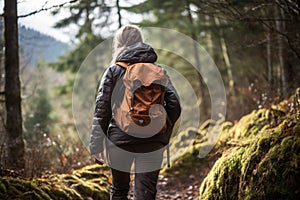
{"x": 255, "y": 45}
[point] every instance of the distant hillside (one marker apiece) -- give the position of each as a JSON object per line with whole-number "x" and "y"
{"x": 35, "y": 45}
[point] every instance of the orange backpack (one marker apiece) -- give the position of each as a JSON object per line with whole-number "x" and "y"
{"x": 142, "y": 113}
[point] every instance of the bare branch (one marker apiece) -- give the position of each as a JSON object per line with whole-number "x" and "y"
{"x": 48, "y": 8}
{"x": 119, "y": 13}
{"x": 284, "y": 35}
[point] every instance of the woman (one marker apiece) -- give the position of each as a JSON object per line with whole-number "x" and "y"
{"x": 124, "y": 149}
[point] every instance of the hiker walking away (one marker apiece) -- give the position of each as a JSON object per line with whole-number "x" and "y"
{"x": 136, "y": 109}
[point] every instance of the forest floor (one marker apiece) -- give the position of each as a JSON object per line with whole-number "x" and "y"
{"x": 262, "y": 149}
{"x": 182, "y": 186}
{"x": 183, "y": 182}
{"x": 185, "y": 185}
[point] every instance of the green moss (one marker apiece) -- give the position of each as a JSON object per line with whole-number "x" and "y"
{"x": 70, "y": 179}
{"x": 264, "y": 164}
{"x": 100, "y": 181}
{"x": 94, "y": 168}
{"x": 84, "y": 183}
{"x": 206, "y": 124}
{"x": 250, "y": 124}
{"x": 296, "y": 129}
{"x": 225, "y": 179}
{"x": 87, "y": 174}
{"x": 58, "y": 192}
{"x": 29, "y": 195}
{"x": 18, "y": 187}
{"x": 261, "y": 158}
{"x": 278, "y": 171}
{"x": 91, "y": 190}
{"x": 184, "y": 164}
{"x": 3, "y": 189}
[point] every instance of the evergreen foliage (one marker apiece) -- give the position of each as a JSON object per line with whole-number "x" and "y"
{"x": 38, "y": 116}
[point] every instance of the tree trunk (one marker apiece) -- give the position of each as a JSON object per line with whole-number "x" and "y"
{"x": 203, "y": 104}
{"x": 225, "y": 57}
{"x": 282, "y": 54}
{"x": 209, "y": 37}
{"x": 2, "y": 97}
{"x": 14, "y": 140}
{"x": 270, "y": 70}
{"x": 270, "y": 64}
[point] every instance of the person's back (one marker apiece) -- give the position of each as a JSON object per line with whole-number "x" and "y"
{"x": 125, "y": 148}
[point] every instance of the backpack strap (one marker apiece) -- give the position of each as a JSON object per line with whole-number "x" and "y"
{"x": 168, "y": 155}
{"x": 126, "y": 66}
{"x": 122, "y": 64}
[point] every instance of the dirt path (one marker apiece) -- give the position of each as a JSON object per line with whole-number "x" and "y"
{"x": 176, "y": 187}
{"x": 172, "y": 188}
{"x": 182, "y": 182}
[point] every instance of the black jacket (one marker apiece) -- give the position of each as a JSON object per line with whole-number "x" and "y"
{"x": 104, "y": 124}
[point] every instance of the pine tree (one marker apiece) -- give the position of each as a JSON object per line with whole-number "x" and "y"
{"x": 38, "y": 119}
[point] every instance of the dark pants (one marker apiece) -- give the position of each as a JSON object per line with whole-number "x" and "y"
{"x": 146, "y": 170}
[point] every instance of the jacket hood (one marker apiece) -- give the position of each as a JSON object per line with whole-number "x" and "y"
{"x": 138, "y": 53}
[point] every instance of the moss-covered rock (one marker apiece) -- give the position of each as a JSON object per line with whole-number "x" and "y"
{"x": 262, "y": 158}
{"x": 88, "y": 182}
